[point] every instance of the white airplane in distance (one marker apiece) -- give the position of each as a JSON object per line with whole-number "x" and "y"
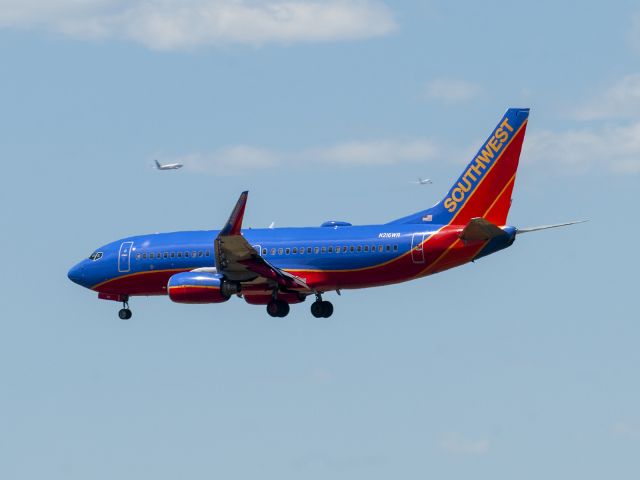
{"x": 422, "y": 181}
{"x": 168, "y": 166}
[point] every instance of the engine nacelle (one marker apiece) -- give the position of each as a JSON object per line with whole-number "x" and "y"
{"x": 199, "y": 287}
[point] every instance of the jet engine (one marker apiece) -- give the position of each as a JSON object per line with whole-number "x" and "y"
{"x": 200, "y": 287}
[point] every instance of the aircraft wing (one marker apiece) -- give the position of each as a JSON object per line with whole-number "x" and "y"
{"x": 240, "y": 262}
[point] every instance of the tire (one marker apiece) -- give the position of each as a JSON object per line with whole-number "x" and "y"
{"x": 124, "y": 314}
{"x": 327, "y": 309}
{"x": 283, "y": 308}
{"x": 273, "y": 308}
{"x": 316, "y": 309}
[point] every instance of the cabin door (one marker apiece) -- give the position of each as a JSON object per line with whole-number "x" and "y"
{"x": 417, "y": 247}
{"x": 124, "y": 257}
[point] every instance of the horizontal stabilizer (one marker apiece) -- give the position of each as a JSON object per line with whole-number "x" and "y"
{"x": 479, "y": 229}
{"x": 545, "y": 227}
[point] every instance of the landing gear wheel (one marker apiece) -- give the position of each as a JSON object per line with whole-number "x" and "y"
{"x": 316, "y": 309}
{"x": 284, "y": 309}
{"x": 327, "y": 309}
{"x": 272, "y": 308}
{"x": 125, "y": 313}
{"x": 320, "y": 308}
{"x": 278, "y": 308}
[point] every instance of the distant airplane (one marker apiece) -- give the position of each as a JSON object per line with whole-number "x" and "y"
{"x": 278, "y": 267}
{"x": 168, "y": 166}
{"x": 422, "y": 181}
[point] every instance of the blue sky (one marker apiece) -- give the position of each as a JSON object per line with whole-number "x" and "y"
{"x": 522, "y": 365}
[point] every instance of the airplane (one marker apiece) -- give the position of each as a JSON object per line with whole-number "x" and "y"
{"x": 168, "y": 166}
{"x": 422, "y": 181}
{"x": 279, "y": 267}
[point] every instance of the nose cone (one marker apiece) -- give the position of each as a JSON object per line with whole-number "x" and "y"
{"x": 76, "y": 274}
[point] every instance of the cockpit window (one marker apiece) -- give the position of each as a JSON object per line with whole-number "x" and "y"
{"x": 95, "y": 256}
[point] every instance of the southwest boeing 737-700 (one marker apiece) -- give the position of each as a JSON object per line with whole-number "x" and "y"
{"x": 278, "y": 267}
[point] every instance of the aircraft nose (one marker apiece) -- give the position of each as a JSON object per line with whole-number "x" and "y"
{"x": 76, "y": 273}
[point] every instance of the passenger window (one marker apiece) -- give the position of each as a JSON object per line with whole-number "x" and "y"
{"x": 150, "y": 255}
{"x": 395, "y": 248}
{"x": 380, "y": 248}
{"x": 324, "y": 249}
{"x": 316, "y": 250}
{"x": 351, "y": 248}
{"x": 301, "y": 250}
{"x": 288, "y": 251}
{"x": 206, "y": 253}
{"x": 330, "y": 249}
{"x": 179, "y": 254}
{"x": 280, "y": 250}
{"x": 388, "y": 248}
{"x": 308, "y": 249}
{"x": 200, "y": 253}
{"x": 366, "y": 248}
{"x": 338, "y": 249}
{"x": 138, "y": 256}
{"x": 344, "y": 249}
{"x": 273, "y": 251}
{"x": 173, "y": 254}
{"x": 193, "y": 254}
{"x": 295, "y": 250}
{"x": 264, "y": 251}
{"x": 166, "y": 255}
{"x": 359, "y": 248}
{"x": 144, "y": 256}
{"x": 186, "y": 254}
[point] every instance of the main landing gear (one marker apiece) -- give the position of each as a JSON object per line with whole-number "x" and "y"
{"x": 278, "y": 308}
{"x": 320, "y": 308}
{"x": 125, "y": 313}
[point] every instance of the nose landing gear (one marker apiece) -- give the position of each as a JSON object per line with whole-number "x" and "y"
{"x": 125, "y": 313}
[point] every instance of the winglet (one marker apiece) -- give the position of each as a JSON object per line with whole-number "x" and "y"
{"x": 234, "y": 224}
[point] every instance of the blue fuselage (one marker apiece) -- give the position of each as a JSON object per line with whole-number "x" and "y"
{"x": 331, "y": 257}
